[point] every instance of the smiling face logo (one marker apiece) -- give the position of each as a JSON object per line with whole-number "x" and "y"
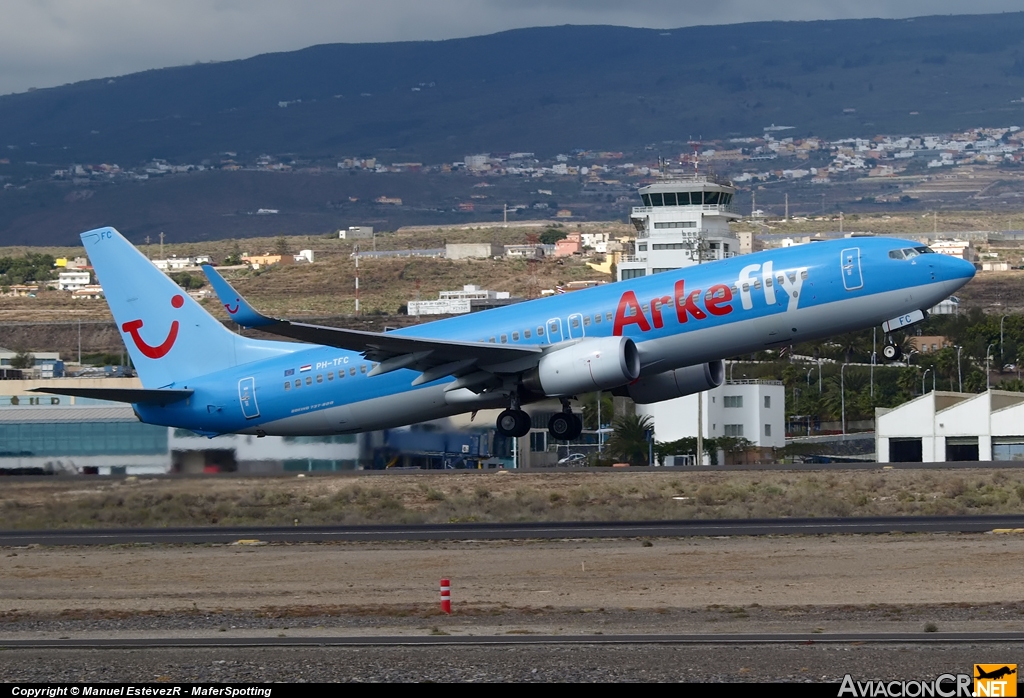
{"x": 232, "y": 311}
{"x": 160, "y": 350}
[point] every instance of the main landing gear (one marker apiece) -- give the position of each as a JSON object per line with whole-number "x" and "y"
{"x": 515, "y": 422}
{"x": 564, "y": 425}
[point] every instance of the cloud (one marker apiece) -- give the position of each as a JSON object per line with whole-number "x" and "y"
{"x": 50, "y": 42}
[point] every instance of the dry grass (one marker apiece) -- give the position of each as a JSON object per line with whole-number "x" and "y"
{"x": 512, "y": 497}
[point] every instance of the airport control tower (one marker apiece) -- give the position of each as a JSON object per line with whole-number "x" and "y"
{"x": 682, "y": 222}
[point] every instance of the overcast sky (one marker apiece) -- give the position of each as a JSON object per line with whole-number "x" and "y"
{"x": 51, "y": 42}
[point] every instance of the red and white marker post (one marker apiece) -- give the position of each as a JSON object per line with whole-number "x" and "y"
{"x": 446, "y": 596}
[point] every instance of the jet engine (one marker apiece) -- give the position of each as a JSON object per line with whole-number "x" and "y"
{"x": 598, "y": 363}
{"x": 673, "y": 384}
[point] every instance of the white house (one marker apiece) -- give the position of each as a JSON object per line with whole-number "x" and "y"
{"x": 73, "y": 280}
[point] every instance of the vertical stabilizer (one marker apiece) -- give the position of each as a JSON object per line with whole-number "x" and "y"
{"x": 169, "y": 336}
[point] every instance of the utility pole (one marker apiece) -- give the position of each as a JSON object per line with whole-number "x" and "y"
{"x": 162, "y": 246}
{"x": 787, "y": 207}
{"x": 356, "y": 252}
{"x": 935, "y": 222}
{"x": 840, "y": 222}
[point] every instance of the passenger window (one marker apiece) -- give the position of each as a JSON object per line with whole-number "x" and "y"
{"x": 553, "y": 327}
{"x": 515, "y": 336}
{"x": 298, "y": 382}
{"x": 646, "y": 308}
{"x": 757, "y": 285}
{"x": 586, "y": 320}
{"x": 504, "y": 339}
{"x": 526, "y": 334}
{"x": 362, "y": 368}
{"x": 575, "y": 322}
{"x": 540, "y": 331}
{"x": 768, "y": 283}
{"x": 319, "y": 378}
{"x": 330, "y": 375}
{"x": 352, "y": 371}
{"x": 597, "y": 317}
{"x": 309, "y": 380}
{"x": 491, "y": 340}
{"x": 608, "y": 317}
{"x": 803, "y": 274}
{"x": 287, "y": 385}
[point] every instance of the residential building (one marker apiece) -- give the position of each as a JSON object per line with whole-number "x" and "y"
{"x": 469, "y": 299}
{"x": 474, "y": 250}
{"x": 356, "y": 232}
{"x": 754, "y": 410}
{"x": 73, "y": 280}
{"x": 266, "y": 260}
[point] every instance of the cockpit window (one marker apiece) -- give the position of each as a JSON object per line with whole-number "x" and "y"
{"x": 910, "y": 252}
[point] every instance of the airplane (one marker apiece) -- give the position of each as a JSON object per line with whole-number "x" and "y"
{"x": 651, "y": 338}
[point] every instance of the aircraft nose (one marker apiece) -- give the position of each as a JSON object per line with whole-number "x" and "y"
{"x": 956, "y": 272}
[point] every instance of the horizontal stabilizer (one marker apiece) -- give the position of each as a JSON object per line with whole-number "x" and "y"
{"x": 140, "y": 396}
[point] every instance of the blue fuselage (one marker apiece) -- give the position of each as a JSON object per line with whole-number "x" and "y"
{"x": 678, "y": 318}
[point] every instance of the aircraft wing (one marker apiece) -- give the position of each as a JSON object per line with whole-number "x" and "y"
{"x": 434, "y": 358}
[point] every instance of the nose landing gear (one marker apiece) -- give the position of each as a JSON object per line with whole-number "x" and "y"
{"x": 891, "y": 351}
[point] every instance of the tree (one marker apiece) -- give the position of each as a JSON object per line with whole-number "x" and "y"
{"x": 552, "y": 235}
{"x": 589, "y": 404}
{"x": 631, "y": 438}
{"x": 281, "y": 245}
{"x": 23, "y": 359}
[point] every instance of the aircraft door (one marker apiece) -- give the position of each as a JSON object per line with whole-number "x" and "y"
{"x": 247, "y": 398}
{"x": 853, "y": 279}
{"x": 554, "y": 330}
{"x": 576, "y": 326}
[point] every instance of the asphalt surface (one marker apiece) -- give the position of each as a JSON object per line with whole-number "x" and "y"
{"x": 513, "y": 531}
{"x": 604, "y": 663}
{"x": 509, "y": 640}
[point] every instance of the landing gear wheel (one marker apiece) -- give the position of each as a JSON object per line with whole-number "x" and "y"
{"x": 565, "y": 426}
{"x": 892, "y": 352}
{"x": 513, "y": 423}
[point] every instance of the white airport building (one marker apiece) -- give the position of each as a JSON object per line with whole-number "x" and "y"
{"x": 943, "y": 426}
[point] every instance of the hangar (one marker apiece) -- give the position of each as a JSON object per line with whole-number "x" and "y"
{"x": 946, "y": 426}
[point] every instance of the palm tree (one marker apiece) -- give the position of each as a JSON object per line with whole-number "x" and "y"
{"x": 630, "y": 440}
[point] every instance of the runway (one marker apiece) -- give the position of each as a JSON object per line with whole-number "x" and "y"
{"x": 515, "y": 531}
{"x": 510, "y": 640}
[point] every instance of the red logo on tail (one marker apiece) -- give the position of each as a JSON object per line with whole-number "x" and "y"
{"x": 159, "y": 351}
{"x": 238, "y": 304}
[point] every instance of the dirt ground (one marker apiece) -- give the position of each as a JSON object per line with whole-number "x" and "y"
{"x": 736, "y": 584}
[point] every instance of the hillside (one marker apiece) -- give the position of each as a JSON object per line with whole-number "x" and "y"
{"x": 543, "y": 90}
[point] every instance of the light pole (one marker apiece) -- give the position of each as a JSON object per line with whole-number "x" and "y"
{"x": 912, "y": 352}
{"x": 1001, "y": 362}
{"x": 842, "y": 393}
{"x": 809, "y": 372}
{"x": 819, "y": 376}
{"x": 923, "y": 376}
{"x": 988, "y": 372}
{"x": 959, "y": 373}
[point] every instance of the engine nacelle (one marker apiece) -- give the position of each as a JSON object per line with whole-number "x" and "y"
{"x": 598, "y": 363}
{"x": 677, "y": 383}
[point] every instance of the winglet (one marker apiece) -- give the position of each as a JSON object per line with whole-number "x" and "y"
{"x": 237, "y": 307}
